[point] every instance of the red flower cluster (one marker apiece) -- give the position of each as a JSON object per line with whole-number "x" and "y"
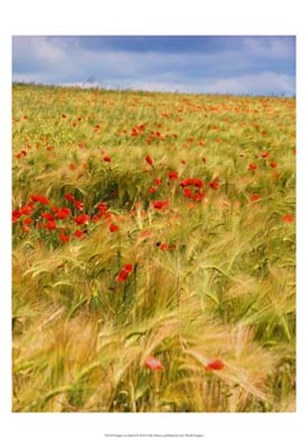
{"x": 24, "y": 210}
{"x": 192, "y": 181}
{"x": 102, "y": 209}
{"x": 49, "y": 219}
{"x": 62, "y": 213}
{"x": 197, "y": 194}
{"x": 21, "y": 154}
{"x": 136, "y": 130}
{"x": 41, "y": 199}
{"x": 71, "y": 198}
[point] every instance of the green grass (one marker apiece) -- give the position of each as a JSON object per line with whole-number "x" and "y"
{"x": 224, "y": 287}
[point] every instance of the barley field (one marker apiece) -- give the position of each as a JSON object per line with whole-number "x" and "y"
{"x": 153, "y": 252}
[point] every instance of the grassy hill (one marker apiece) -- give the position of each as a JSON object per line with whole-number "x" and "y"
{"x": 153, "y": 252}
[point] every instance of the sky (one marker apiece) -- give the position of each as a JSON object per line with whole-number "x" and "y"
{"x": 241, "y": 65}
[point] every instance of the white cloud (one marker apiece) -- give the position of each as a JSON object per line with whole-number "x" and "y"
{"x": 39, "y": 52}
{"x": 261, "y": 84}
{"x": 63, "y": 60}
{"x": 269, "y": 47}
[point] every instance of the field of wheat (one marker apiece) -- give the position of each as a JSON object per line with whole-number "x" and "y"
{"x": 153, "y": 252}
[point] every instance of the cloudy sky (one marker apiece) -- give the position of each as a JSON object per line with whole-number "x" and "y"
{"x": 253, "y": 65}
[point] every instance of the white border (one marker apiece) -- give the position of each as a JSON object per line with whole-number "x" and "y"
{"x": 238, "y": 17}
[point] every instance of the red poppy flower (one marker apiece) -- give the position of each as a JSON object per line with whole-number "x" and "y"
{"x": 288, "y": 218}
{"x": 114, "y": 228}
{"x": 192, "y": 181}
{"x": 102, "y": 207}
{"x": 124, "y": 273}
{"x": 173, "y": 175}
{"x": 26, "y": 209}
{"x": 265, "y": 155}
{"x": 145, "y": 234}
{"x": 214, "y": 185}
{"x": 164, "y": 246}
{"x": 63, "y": 213}
{"x": 81, "y": 219}
{"x": 27, "y": 221}
{"x": 64, "y": 238}
{"x": 273, "y": 164}
{"x": 152, "y": 190}
{"x": 188, "y": 193}
{"x": 134, "y": 132}
{"x": 78, "y": 205}
{"x": 252, "y": 167}
{"x": 153, "y": 363}
{"x": 43, "y": 200}
{"x": 185, "y": 182}
{"x": 38, "y": 198}
{"x": 15, "y": 216}
{"x": 48, "y": 216}
{"x": 160, "y": 205}
{"x": 157, "y": 181}
{"x": 79, "y": 234}
{"x": 149, "y": 160}
{"x": 128, "y": 267}
{"x": 214, "y": 364}
{"x": 69, "y": 197}
{"x": 107, "y": 159}
{"x": 51, "y": 225}
{"x": 199, "y": 196}
{"x": 255, "y": 197}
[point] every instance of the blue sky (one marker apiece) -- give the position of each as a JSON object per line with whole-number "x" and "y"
{"x": 257, "y": 65}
